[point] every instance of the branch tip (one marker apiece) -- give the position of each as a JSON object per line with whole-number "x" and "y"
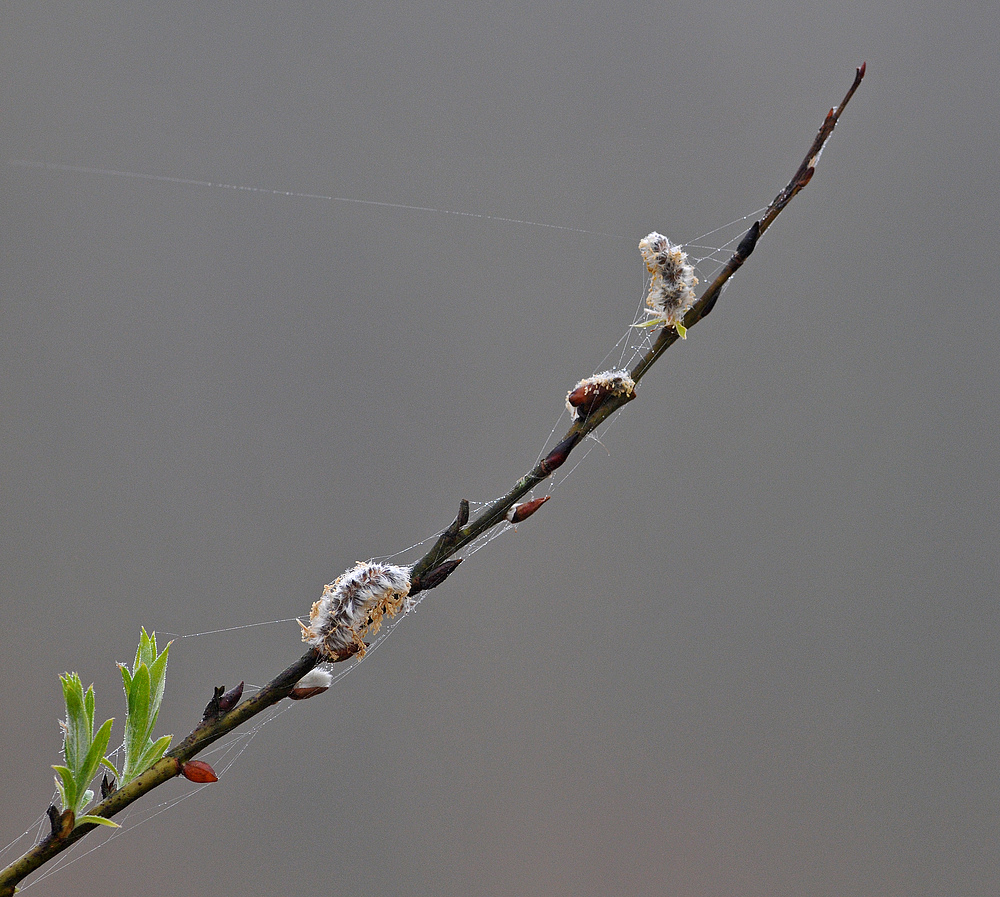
{"x": 53, "y": 813}
{"x": 451, "y": 534}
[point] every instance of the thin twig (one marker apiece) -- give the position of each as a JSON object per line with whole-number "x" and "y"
{"x": 431, "y": 570}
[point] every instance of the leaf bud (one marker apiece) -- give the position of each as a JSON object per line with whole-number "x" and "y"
{"x": 231, "y": 698}
{"x": 198, "y": 771}
{"x": 525, "y": 509}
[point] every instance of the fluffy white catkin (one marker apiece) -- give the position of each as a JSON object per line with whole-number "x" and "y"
{"x": 353, "y": 606}
{"x": 671, "y": 288}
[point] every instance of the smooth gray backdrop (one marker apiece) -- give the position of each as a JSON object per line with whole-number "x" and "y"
{"x": 748, "y": 649}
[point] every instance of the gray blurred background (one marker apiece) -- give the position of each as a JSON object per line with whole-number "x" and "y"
{"x": 749, "y": 649}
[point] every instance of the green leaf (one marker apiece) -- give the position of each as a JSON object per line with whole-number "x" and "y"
{"x": 66, "y": 785}
{"x": 144, "y": 686}
{"x": 100, "y": 820}
{"x": 82, "y": 749}
{"x": 154, "y": 751}
{"x": 126, "y": 677}
{"x": 88, "y": 708}
{"x": 157, "y": 683}
{"x": 75, "y": 742}
{"x": 137, "y": 721}
{"x": 92, "y": 761}
{"x": 146, "y": 650}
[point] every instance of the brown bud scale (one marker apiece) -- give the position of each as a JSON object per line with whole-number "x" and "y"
{"x": 300, "y": 694}
{"x": 524, "y": 510}
{"x": 231, "y": 698}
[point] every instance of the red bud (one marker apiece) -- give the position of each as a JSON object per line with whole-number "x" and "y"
{"x": 524, "y": 510}
{"x": 588, "y": 396}
{"x": 558, "y": 455}
{"x": 198, "y": 771}
{"x": 433, "y": 578}
{"x": 231, "y": 698}
{"x": 300, "y": 694}
{"x": 578, "y": 396}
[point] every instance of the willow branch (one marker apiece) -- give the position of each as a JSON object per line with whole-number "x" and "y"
{"x": 432, "y": 569}
{"x": 457, "y": 536}
{"x": 802, "y": 176}
{"x": 210, "y": 729}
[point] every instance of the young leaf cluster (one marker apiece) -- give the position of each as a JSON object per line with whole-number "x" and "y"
{"x": 144, "y": 685}
{"x": 83, "y": 750}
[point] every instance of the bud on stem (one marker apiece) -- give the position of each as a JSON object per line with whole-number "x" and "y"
{"x": 524, "y": 510}
{"x": 198, "y": 771}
